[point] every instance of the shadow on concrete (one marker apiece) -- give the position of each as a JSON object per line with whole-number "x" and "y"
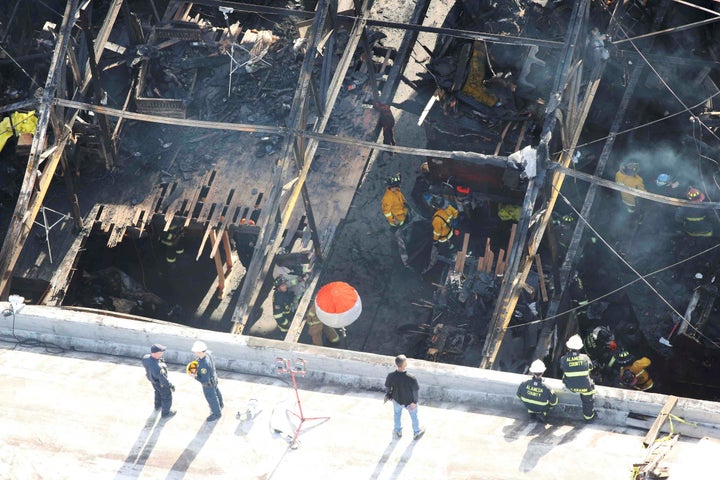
{"x": 544, "y": 441}
{"x": 384, "y": 458}
{"x": 143, "y": 446}
{"x": 188, "y": 455}
{"x": 404, "y": 459}
{"x": 519, "y": 428}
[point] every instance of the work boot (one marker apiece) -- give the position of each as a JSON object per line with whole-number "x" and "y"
{"x": 592, "y": 418}
{"x": 169, "y": 414}
{"x": 212, "y": 418}
{"x": 419, "y": 434}
{"x": 398, "y": 433}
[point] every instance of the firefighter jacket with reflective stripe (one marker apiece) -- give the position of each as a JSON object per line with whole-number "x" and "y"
{"x": 442, "y": 223}
{"x": 644, "y": 382}
{"x": 536, "y": 396}
{"x": 283, "y": 308}
{"x": 695, "y": 222}
{"x": 632, "y": 181}
{"x": 394, "y": 207}
{"x": 576, "y": 368}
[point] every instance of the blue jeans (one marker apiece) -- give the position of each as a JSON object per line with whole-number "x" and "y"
{"x": 397, "y": 409}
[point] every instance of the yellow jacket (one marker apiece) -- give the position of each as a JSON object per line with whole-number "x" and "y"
{"x": 644, "y": 382}
{"x": 393, "y": 207}
{"x": 442, "y": 224}
{"x": 632, "y": 181}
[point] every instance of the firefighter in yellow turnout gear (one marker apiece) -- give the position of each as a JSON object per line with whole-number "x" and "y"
{"x": 633, "y": 373}
{"x": 537, "y": 397}
{"x": 629, "y": 177}
{"x": 396, "y": 212}
{"x": 316, "y": 329}
{"x": 442, "y": 225}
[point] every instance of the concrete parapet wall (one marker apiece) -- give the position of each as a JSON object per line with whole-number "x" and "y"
{"x": 252, "y": 355}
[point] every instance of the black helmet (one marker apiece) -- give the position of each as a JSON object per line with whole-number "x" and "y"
{"x": 625, "y": 358}
{"x": 630, "y": 168}
{"x": 279, "y": 281}
{"x": 437, "y": 202}
{"x": 393, "y": 180}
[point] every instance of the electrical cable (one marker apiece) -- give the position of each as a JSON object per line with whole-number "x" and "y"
{"x": 29, "y": 342}
{"x": 19, "y": 66}
{"x": 613, "y": 292}
{"x": 662, "y": 80}
{"x": 628, "y": 130}
{"x": 602, "y": 239}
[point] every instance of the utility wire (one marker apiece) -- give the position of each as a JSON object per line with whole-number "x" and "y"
{"x": 18, "y": 65}
{"x": 613, "y": 292}
{"x": 622, "y": 132}
{"x": 662, "y": 80}
{"x": 640, "y": 277}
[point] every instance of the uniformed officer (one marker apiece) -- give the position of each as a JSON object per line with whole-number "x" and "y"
{"x": 537, "y": 397}
{"x": 206, "y": 374}
{"x": 576, "y": 368}
{"x": 156, "y": 372}
{"x": 283, "y": 304}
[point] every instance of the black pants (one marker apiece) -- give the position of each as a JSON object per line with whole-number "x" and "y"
{"x": 163, "y": 398}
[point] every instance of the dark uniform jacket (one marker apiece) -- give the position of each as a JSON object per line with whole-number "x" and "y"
{"x": 206, "y": 373}
{"x": 283, "y": 308}
{"x": 156, "y": 371}
{"x": 695, "y": 221}
{"x": 402, "y": 387}
{"x": 536, "y": 396}
{"x": 576, "y": 368}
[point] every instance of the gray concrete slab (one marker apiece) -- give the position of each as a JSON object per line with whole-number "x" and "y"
{"x": 70, "y": 414}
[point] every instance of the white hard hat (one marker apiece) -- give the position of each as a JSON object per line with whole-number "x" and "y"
{"x": 537, "y": 367}
{"x": 574, "y": 342}
{"x": 199, "y": 346}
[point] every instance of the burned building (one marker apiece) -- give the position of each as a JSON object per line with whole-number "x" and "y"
{"x": 175, "y": 140}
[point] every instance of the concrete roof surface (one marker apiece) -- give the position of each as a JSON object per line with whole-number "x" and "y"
{"x": 84, "y": 415}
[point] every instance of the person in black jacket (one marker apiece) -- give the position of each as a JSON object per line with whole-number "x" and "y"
{"x": 402, "y": 388}
{"x": 537, "y": 397}
{"x": 576, "y": 368}
{"x": 156, "y": 372}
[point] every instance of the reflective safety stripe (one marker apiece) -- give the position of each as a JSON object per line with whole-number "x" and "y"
{"x": 313, "y": 322}
{"x": 389, "y": 214}
{"x": 577, "y": 374}
{"x": 534, "y": 402}
{"x": 695, "y": 219}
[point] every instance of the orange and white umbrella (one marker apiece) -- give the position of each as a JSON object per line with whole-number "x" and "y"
{"x": 337, "y": 304}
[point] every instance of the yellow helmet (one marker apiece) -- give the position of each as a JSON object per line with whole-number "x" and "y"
{"x": 191, "y": 367}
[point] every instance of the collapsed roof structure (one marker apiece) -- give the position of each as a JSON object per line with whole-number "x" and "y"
{"x": 503, "y": 75}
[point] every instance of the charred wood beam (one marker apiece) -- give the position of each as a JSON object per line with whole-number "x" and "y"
{"x": 523, "y": 251}
{"x": 473, "y": 157}
{"x": 404, "y": 51}
{"x": 575, "y": 247}
{"x": 599, "y": 181}
{"x": 416, "y": 26}
{"x": 107, "y": 143}
{"x": 29, "y": 201}
{"x": 22, "y": 104}
{"x": 269, "y": 225}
